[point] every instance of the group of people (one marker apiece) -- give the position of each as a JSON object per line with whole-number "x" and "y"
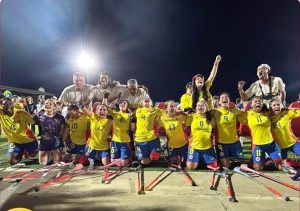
{"x": 112, "y": 121}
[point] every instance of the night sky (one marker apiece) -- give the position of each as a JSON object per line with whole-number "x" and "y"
{"x": 161, "y": 43}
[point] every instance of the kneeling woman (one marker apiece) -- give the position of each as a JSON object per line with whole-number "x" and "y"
{"x": 201, "y": 146}
{"x": 98, "y": 143}
{"x": 281, "y": 129}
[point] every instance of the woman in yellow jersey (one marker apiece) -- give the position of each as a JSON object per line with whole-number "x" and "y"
{"x": 259, "y": 123}
{"x": 174, "y": 124}
{"x": 281, "y": 128}
{"x": 75, "y": 132}
{"x": 98, "y": 142}
{"x": 186, "y": 98}
{"x": 146, "y": 141}
{"x": 120, "y": 145}
{"x": 200, "y": 145}
{"x": 226, "y": 134}
{"x": 15, "y": 126}
{"x": 201, "y": 88}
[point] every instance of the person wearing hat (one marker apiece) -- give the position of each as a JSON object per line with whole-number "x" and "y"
{"x": 267, "y": 87}
{"x": 186, "y": 98}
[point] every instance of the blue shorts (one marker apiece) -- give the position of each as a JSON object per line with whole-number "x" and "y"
{"x": 143, "y": 149}
{"x": 120, "y": 150}
{"x": 208, "y": 155}
{"x": 260, "y": 150}
{"x": 233, "y": 150}
{"x": 294, "y": 148}
{"x": 31, "y": 147}
{"x": 95, "y": 154}
{"x": 76, "y": 149}
{"x": 49, "y": 145}
{"x": 181, "y": 152}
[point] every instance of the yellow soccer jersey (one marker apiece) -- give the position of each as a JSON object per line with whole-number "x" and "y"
{"x": 100, "y": 129}
{"x": 146, "y": 120}
{"x": 260, "y": 127}
{"x": 201, "y": 132}
{"x": 186, "y": 101}
{"x": 78, "y": 129}
{"x": 281, "y": 128}
{"x": 226, "y": 123}
{"x": 208, "y": 84}
{"x": 16, "y": 127}
{"x": 121, "y": 125}
{"x": 174, "y": 129}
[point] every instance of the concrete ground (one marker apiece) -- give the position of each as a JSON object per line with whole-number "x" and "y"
{"x": 174, "y": 193}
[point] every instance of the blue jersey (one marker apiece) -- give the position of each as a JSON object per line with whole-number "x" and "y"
{"x": 50, "y": 126}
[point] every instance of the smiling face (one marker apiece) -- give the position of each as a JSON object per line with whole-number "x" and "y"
{"x": 103, "y": 80}
{"x": 123, "y": 106}
{"x": 224, "y": 100}
{"x": 102, "y": 110}
{"x": 79, "y": 82}
{"x": 201, "y": 107}
{"x": 49, "y": 106}
{"x": 199, "y": 81}
{"x": 257, "y": 104}
{"x": 147, "y": 103}
{"x": 8, "y": 106}
{"x": 275, "y": 105}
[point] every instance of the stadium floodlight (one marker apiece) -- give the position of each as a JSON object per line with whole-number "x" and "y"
{"x": 85, "y": 61}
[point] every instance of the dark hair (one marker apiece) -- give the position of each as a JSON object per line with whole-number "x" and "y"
{"x": 195, "y": 94}
{"x": 110, "y": 83}
{"x": 73, "y": 107}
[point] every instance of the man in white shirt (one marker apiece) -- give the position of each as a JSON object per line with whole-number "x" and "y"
{"x": 79, "y": 93}
{"x": 134, "y": 95}
{"x": 268, "y": 87}
{"x": 114, "y": 89}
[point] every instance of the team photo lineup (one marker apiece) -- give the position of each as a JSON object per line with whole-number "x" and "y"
{"x": 111, "y": 121}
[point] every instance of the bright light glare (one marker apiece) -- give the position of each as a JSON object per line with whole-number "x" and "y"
{"x": 85, "y": 61}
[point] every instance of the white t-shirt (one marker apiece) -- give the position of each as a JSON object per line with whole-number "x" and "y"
{"x": 135, "y": 101}
{"x": 71, "y": 96}
{"x": 114, "y": 93}
{"x": 263, "y": 90}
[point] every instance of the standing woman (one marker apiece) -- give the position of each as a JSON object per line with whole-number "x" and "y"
{"x": 52, "y": 126}
{"x": 201, "y": 123}
{"x": 259, "y": 123}
{"x": 281, "y": 128}
{"x": 174, "y": 124}
{"x": 201, "y": 87}
{"x": 98, "y": 142}
{"x": 227, "y": 139}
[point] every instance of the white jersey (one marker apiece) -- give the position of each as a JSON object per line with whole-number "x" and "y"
{"x": 114, "y": 93}
{"x": 71, "y": 96}
{"x": 135, "y": 101}
{"x": 263, "y": 90}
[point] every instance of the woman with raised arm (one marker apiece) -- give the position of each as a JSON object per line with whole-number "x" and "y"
{"x": 120, "y": 145}
{"x": 281, "y": 130}
{"x": 201, "y": 87}
{"x": 200, "y": 146}
{"x": 98, "y": 142}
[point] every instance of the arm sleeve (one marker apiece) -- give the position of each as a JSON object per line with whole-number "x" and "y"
{"x": 251, "y": 90}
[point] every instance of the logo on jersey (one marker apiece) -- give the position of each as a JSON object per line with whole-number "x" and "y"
{"x": 257, "y": 159}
